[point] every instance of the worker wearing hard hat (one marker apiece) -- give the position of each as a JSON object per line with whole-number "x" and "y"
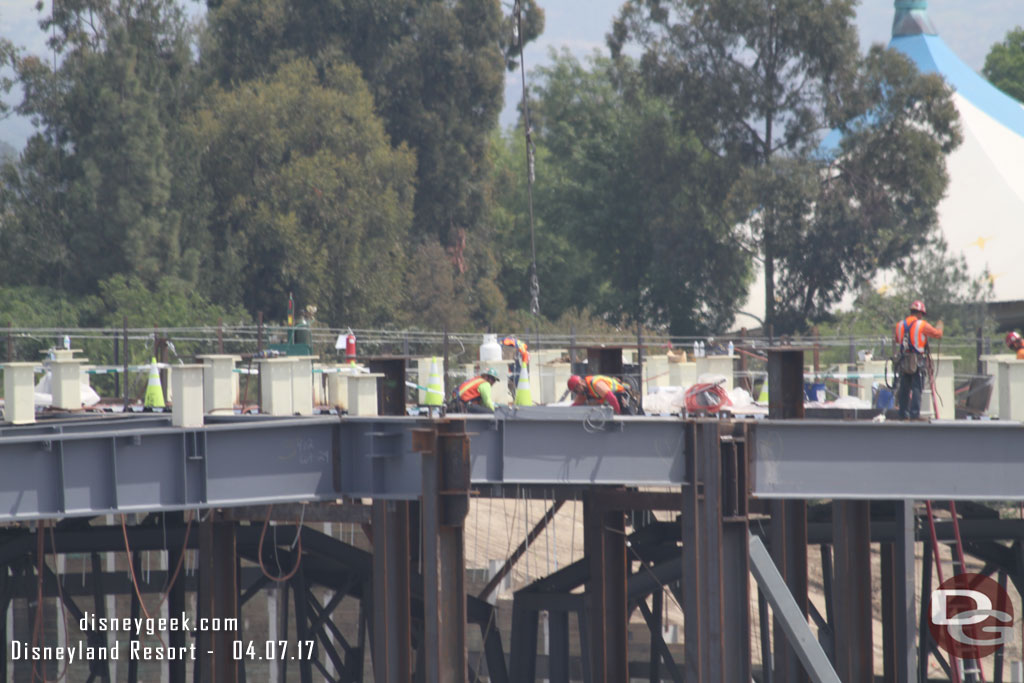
{"x": 911, "y": 365}
{"x": 598, "y": 389}
{"x": 1016, "y": 343}
{"x": 474, "y": 395}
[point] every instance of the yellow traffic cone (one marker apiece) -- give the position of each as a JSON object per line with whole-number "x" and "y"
{"x": 435, "y": 386}
{"x": 154, "y": 392}
{"x": 523, "y": 396}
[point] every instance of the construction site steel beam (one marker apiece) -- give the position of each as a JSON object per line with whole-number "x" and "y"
{"x": 851, "y": 589}
{"x": 715, "y": 560}
{"x": 604, "y": 545}
{"x": 899, "y": 608}
{"x": 120, "y": 466}
{"x": 798, "y": 632}
{"x": 176, "y": 599}
{"x": 893, "y": 460}
{"x": 218, "y": 599}
{"x": 445, "y": 453}
{"x": 789, "y": 517}
{"x": 392, "y": 603}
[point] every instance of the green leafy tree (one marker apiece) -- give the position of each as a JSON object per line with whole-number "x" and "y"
{"x": 305, "y": 194}
{"x": 760, "y": 81}
{"x": 92, "y": 194}
{"x": 1004, "y": 64}
{"x": 435, "y": 69}
{"x": 632, "y": 196}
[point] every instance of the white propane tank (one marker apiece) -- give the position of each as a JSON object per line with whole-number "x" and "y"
{"x": 490, "y": 350}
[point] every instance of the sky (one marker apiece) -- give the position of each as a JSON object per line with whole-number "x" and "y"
{"x": 969, "y": 27}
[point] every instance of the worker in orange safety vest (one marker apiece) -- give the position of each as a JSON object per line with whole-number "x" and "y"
{"x": 911, "y": 339}
{"x": 474, "y": 395}
{"x": 598, "y": 389}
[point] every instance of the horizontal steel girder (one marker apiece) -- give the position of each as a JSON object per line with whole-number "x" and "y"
{"x": 548, "y": 446}
{"x": 129, "y": 468}
{"x": 963, "y": 460}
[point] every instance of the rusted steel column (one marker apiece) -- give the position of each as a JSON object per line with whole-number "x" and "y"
{"x": 604, "y": 543}
{"x": 392, "y": 632}
{"x": 692, "y": 567}
{"x": 788, "y": 535}
{"x": 851, "y": 530}
{"x": 218, "y": 599}
{"x": 715, "y": 556}
{"x": 735, "y": 569}
{"x": 444, "y": 507}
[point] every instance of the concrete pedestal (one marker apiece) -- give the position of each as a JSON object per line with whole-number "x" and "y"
{"x": 870, "y": 371}
{"x": 1011, "y": 389}
{"x": 362, "y": 394}
{"x": 66, "y": 382}
{"x": 682, "y": 374}
{"x": 717, "y": 365}
{"x": 656, "y": 372}
{"x": 990, "y": 367}
{"x": 276, "y": 386}
{"x": 551, "y": 381}
{"x": 220, "y": 382}
{"x": 188, "y": 388}
{"x": 944, "y": 368}
{"x": 302, "y": 384}
{"x": 19, "y": 393}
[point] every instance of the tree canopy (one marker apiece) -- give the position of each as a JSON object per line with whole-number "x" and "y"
{"x": 1004, "y": 64}
{"x": 760, "y": 82}
{"x": 348, "y": 152}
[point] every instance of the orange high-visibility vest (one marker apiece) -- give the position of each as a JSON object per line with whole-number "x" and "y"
{"x": 917, "y": 339}
{"x": 616, "y": 386}
{"x": 470, "y": 389}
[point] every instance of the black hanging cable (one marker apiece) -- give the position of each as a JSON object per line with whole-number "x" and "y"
{"x": 530, "y": 175}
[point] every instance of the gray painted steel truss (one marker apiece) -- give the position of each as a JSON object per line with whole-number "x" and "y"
{"x": 87, "y": 467}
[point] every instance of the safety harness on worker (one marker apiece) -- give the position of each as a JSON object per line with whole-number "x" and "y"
{"x": 910, "y": 359}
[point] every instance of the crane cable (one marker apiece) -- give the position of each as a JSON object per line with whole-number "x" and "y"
{"x": 530, "y": 160}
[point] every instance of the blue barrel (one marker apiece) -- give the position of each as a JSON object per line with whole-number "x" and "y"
{"x": 884, "y": 399}
{"x": 815, "y": 391}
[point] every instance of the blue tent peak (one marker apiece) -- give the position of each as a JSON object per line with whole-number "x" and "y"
{"x": 912, "y": 19}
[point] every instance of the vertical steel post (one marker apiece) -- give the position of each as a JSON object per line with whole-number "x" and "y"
{"x": 899, "y": 609}
{"x": 715, "y": 557}
{"x": 558, "y": 646}
{"x": 789, "y": 517}
{"x": 444, "y": 509}
{"x": 218, "y": 581}
{"x": 176, "y": 601}
{"x": 101, "y": 667}
{"x": 851, "y": 532}
{"x": 924, "y": 635}
{"x": 392, "y": 632}
{"x": 692, "y": 566}
{"x": 124, "y": 372}
{"x": 604, "y": 544}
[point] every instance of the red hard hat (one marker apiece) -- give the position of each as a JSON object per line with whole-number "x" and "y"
{"x": 1012, "y": 338}
{"x": 575, "y": 382}
{"x": 918, "y": 306}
